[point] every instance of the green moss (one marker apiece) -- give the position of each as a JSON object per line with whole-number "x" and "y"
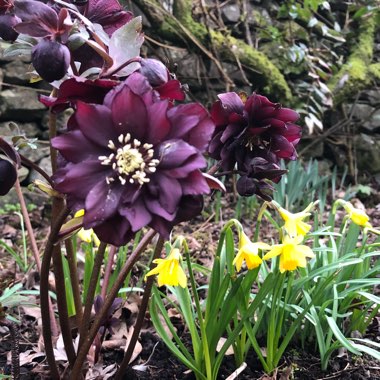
{"x": 374, "y": 69}
{"x": 356, "y": 74}
{"x": 232, "y": 49}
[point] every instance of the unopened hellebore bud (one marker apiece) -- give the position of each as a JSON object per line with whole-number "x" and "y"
{"x": 8, "y": 176}
{"x": 155, "y": 71}
{"x": 51, "y": 60}
{"x": 7, "y": 22}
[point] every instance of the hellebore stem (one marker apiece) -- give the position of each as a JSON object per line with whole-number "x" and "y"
{"x": 30, "y": 164}
{"x": 83, "y": 332}
{"x": 89, "y": 338}
{"x": 44, "y": 292}
{"x": 108, "y": 270}
{"x": 141, "y": 314}
{"x": 28, "y": 224}
{"x": 74, "y": 280}
{"x": 125, "y": 64}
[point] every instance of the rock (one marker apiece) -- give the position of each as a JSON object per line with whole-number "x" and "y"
{"x": 15, "y": 72}
{"x": 20, "y": 105}
{"x": 367, "y": 152}
{"x": 29, "y": 129}
{"x": 45, "y": 165}
{"x": 373, "y": 96}
{"x": 231, "y": 13}
{"x": 373, "y": 125}
{"x": 1, "y": 79}
{"x": 361, "y": 111}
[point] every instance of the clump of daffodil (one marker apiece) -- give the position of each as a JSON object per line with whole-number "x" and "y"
{"x": 294, "y": 224}
{"x": 292, "y": 253}
{"x": 169, "y": 270}
{"x": 357, "y": 215}
{"x": 248, "y": 252}
{"x": 86, "y": 235}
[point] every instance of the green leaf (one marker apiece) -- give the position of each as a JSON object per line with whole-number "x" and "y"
{"x": 339, "y": 335}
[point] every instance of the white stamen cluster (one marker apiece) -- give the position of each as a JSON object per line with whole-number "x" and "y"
{"x": 131, "y": 161}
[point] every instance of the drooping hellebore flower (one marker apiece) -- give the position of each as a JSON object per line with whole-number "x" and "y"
{"x": 248, "y": 252}
{"x": 8, "y": 167}
{"x": 50, "y": 57}
{"x": 294, "y": 224}
{"x": 292, "y": 254}
{"x": 7, "y": 23}
{"x": 169, "y": 270}
{"x": 134, "y": 161}
{"x": 252, "y": 127}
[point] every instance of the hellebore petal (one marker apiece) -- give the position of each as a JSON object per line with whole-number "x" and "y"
{"x": 51, "y": 60}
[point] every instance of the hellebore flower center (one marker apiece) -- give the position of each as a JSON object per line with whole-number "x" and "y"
{"x": 131, "y": 160}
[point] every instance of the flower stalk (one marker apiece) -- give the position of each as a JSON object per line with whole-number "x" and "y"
{"x": 90, "y": 336}
{"x": 141, "y": 315}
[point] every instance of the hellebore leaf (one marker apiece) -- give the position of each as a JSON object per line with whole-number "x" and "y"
{"x": 125, "y": 44}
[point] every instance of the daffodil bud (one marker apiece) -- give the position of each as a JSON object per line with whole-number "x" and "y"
{"x": 51, "y": 60}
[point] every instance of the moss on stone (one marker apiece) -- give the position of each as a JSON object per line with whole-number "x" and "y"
{"x": 356, "y": 73}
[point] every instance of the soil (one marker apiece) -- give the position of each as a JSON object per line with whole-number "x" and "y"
{"x": 155, "y": 360}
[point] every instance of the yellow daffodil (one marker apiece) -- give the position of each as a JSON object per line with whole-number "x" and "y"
{"x": 357, "y": 215}
{"x": 292, "y": 253}
{"x": 169, "y": 270}
{"x": 248, "y": 252}
{"x": 294, "y": 224}
{"x": 86, "y": 235}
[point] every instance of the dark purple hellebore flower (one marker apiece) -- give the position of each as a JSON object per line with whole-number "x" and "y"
{"x": 50, "y": 57}
{"x": 134, "y": 161}
{"x": 51, "y": 60}
{"x": 8, "y": 168}
{"x": 78, "y": 88}
{"x": 8, "y": 176}
{"x": 108, "y": 13}
{"x": 251, "y": 128}
{"x": 7, "y": 22}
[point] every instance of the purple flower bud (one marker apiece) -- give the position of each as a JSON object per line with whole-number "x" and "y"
{"x": 8, "y": 176}
{"x": 155, "y": 71}
{"x": 7, "y": 22}
{"x": 51, "y": 60}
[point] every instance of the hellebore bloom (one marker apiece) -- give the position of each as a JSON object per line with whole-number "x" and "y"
{"x": 50, "y": 57}
{"x": 8, "y": 176}
{"x": 294, "y": 224}
{"x": 134, "y": 161}
{"x": 108, "y": 13}
{"x": 248, "y": 252}
{"x": 358, "y": 216}
{"x": 169, "y": 270}
{"x": 51, "y": 60}
{"x": 8, "y": 168}
{"x": 292, "y": 254}
{"x": 7, "y": 22}
{"x": 73, "y": 89}
{"x": 250, "y": 128}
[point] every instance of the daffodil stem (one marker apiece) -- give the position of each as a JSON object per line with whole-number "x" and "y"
{"x": 202, "y": 327}
{"x": 89, "y": 338}
{"x": 141, "y": 314}
{"x": 71, "y": 258}
{"x": 272, "y": 329}
{"x": 99, "y": 257}
{"x": 44, "y": 293}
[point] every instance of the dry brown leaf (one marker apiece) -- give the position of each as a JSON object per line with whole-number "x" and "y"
{"x": 230, "y": 350}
